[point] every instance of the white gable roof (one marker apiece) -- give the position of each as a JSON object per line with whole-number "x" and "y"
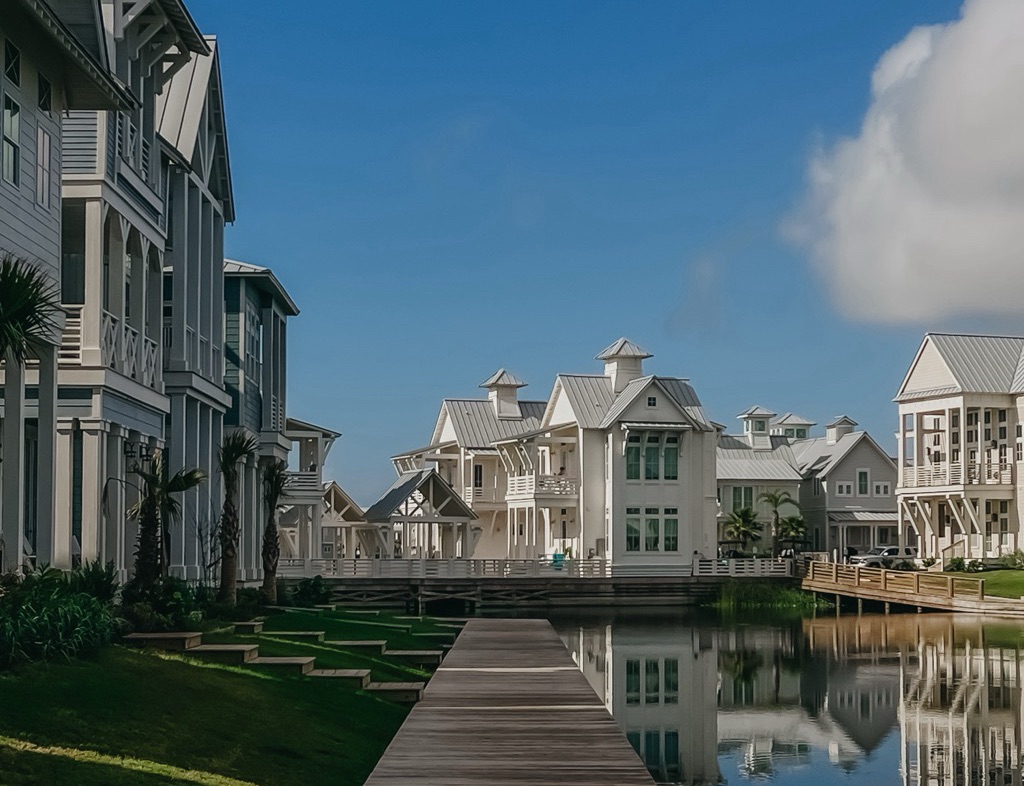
{"x": 948, "y": 363}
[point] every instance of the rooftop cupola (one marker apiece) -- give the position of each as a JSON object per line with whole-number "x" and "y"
{"x": 838, "y": 429}
{"x": 623, "y": 362}
{"x": 756, "y": 421}
{"x": 501, "y": 392}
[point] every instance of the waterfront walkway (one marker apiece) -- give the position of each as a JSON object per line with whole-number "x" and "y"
{"x": 508, "y": 705}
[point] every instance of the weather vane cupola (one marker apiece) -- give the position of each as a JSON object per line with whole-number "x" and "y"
{"x": 501, "y": 392}
{"x": 623, "y": 362}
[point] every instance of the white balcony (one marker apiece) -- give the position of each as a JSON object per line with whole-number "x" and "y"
{"x": 955, "y": 473}
{"x": 531, "y": 486}
{"x": 476, "y": 496}
{"x": 122, "y": 348}
{"x": 71, "y": 339}
{"x": 304, "y": 487}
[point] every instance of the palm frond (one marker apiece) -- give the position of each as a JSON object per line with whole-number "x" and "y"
{"x": 236, "y": 446}
{"x": 185, "y": 479}
{"x": 29, "y": 303}
{"x": 275, "y": 482}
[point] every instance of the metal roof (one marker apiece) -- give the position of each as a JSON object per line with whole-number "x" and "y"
{"x": 679, "y": 390}
{"x": 503, "y": 379}
{"x": 736, "y": 460}
{"x": 426, "y": 482}
{"x": 624, "y": 348}
{"x": 757, "y": 412}
{"x": 913, "y": 395}
{"x": 789, "y": 419}
{"x": 862, "y": 515}
{"x": 816, "y": 456}
{"x": 590, "y": 396}
{"x": 233, "y": 267}
{"x": 184, "y": 24}
{"x": 294, "y": 424}
{"x": 982, "y": 364}
{"x": 477, "y": 425}
{"x": 425, "y": 449}
{"x": 843, "y": 420}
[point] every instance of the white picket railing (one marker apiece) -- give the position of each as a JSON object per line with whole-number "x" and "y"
{"x": 955, "y": 473}
{"x": 71, "y": 339}
{"x": 745, "y": 568}
{"x": 542, "y": 485}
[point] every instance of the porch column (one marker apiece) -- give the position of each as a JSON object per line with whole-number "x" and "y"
{"x": 12, "y": 506}
{"x": 112, "y": 541}
{"x": 92, "y": 311}
{"x": 901, "y": 452}
{"x": 61, "y": 536}
{"x": 94, "y": 457}
{"x": 247, "y": 550}
{"x": 46, "y": 456}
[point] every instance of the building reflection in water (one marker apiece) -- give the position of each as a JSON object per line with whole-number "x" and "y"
{"x": 922, "y": 700}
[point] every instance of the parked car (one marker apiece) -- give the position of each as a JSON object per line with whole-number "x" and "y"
{"x": 884, "y": 555}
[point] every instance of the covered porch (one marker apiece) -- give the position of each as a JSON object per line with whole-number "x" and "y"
{"x": 862, "y": 530}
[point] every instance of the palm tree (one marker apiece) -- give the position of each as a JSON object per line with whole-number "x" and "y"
{"x": 775, "y": 500}
{"x": 275, "y": 482}
{"x": 156, "y": 509}
{"x": 236, "y": 447}
{"x": 792, "y": 528}
{"x": 742, "y": 525}
{"x": 29, "y": 303}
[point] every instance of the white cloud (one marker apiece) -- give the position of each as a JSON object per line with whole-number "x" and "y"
{"x": 921, "y": 216}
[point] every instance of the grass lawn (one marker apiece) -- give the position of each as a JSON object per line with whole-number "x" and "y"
{"x": 1000, "y": 583}
{"x": 132, "y": 717}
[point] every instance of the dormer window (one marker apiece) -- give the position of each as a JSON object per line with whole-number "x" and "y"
{"x": 760, "y": 425}
{"x": 652, "y": 401}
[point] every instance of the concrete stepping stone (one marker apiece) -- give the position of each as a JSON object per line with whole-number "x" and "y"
{"x": 359, "y": 678}
{"x": 416, "y": 657}
{"x": 443, "y": 637}
{"x": 236, "y": 654}
{"x": 304, "y": 635}
{"x": 375, "y": 646}
{"x": 294, "y": 665}
{"x": 175, "y": 642}
{"x": 254, "y": 626}
{"x": 402, "y": 692}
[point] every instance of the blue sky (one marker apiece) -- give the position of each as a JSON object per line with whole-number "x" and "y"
{"x": 446, "y": 188}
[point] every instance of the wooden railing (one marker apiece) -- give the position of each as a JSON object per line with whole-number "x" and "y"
{"x": 546, "y": 485}
{"x": 444, "y": 568}
{"x": 71, "y": 339}
{"x": 895, "y": 583}
{"x": 750, "y": 568}
{"x": 955, "y": 473}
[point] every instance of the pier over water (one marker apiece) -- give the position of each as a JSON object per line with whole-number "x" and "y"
{"x": 509, "y": 705}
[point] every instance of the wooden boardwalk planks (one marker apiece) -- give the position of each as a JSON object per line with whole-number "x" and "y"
{"x": 508, "y": 705}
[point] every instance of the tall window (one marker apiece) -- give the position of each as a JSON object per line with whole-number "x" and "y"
{"x": 632, "y": 529}
{"x": 863, "y": 482}
{"x": 652, "y": 682}
{"x": 671, "y": 529}
{"x": 11, "y": 152}
{"x": 632, "y": 681}
{"x": 672, "y": 457}
{"x": 652, "y": 527}
{"x": 633, "y": 457}
{"x": 43, "y": 144}
{"x": 742, "y": 497}
{"x": 671, "y": 681}
{"x": 12, "y": 63}
{"x": 651, "y": 452}
{"x": 45, "y": 94}
{"x": 478, "y": 476}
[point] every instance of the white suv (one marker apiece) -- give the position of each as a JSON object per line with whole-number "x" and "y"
{"x": 883, "y": 555}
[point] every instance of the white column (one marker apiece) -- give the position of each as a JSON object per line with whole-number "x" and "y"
{"x": 112, "y": 545}
{"x": 46, "y": 457}
{"x": 92, "y": 311}
{"x": 12, "y": 506}
{"x": 93, "y": 480}
{"x": 61, "y": 537}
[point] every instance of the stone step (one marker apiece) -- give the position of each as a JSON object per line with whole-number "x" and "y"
{"x": 359, "y": 678}
{"x": 416, "y": 657}
{"x": 226, "y": 653}
{"x": 452, "y": 625}
{"x": 249, "y": 627}
{"x": 304, "y": 635}
{"x": 327, "y": 606}
{"x": 298, "y": 666}
{"x": 375, "y": 646}
{"x": 402, "y": 692}
{"x": 362, "y": 612}
{"x": 441, "y": 637}
{"x": 385, "y": 625}
{"x": 176, "y": 642}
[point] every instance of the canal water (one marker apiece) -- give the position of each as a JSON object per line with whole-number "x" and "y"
{"x": 903, "y": 699}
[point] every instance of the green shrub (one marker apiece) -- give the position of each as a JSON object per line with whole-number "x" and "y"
{"x": 1014, "y": 561}
{"x": 904, "y": 564}
{"x": 311, "y": 592}
{"x": 96, "y": 579}
{"x": 975, "y": 566}
{"x": 928, "y": 561}
{"x": 44, "y": 618}
{"x": 171, "y": 604}
{"x": 752, "y": 594}
{"x": 955, "y": 565}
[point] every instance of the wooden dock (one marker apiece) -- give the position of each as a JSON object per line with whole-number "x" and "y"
{"x": 508, "y": 705}
{"x": 918, "y": 589}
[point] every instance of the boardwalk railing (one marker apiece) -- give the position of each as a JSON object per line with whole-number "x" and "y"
{"x": 525, "y": 568}
{"x": 894, "y": 583}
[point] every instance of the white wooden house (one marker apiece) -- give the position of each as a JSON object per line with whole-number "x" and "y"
{"x": 960, "y": 446}
{"x": 53, "y": 62}
{"x": 618, "y": 466}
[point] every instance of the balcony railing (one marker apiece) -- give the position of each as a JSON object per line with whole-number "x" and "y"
{"x": 542, "y": 485}
{"x": 304, "y": 484}
{"x": 955, "y": 473}
{"x": 125, "y": 350}
{"x": 445, "y": 568}
{"x": 474, "y": 495}
{"x": 71, "y": 339}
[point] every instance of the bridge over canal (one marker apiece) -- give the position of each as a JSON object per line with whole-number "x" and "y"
{"x": 916, "y": 589}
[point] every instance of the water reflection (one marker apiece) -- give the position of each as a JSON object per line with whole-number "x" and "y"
{"x": 914, "y": 700}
